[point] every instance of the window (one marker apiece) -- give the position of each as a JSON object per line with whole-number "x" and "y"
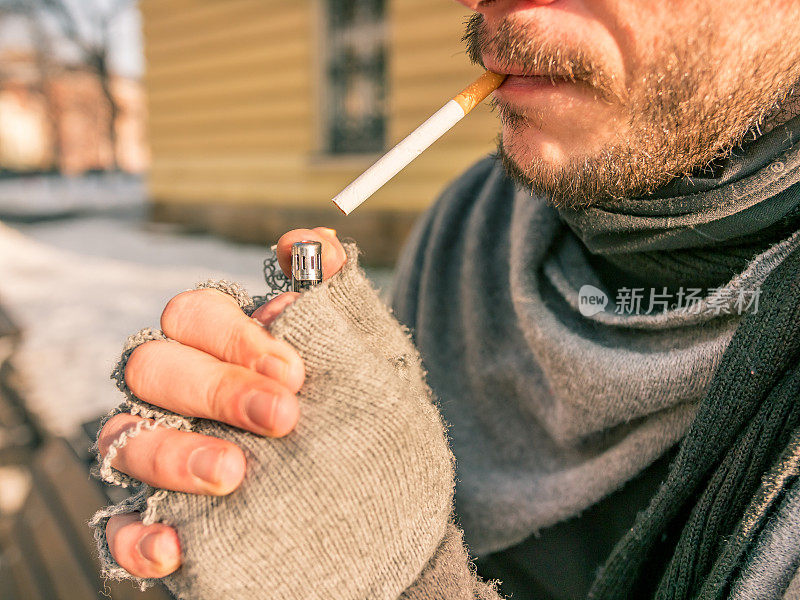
{"x": 356, "y": 72}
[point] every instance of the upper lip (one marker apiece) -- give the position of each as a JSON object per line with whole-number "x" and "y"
{"x": 492, "y": 65}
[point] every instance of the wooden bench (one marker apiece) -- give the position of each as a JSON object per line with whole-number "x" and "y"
{"x": 46, "y": 547}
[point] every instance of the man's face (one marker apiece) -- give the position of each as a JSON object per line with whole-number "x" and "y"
{"x": 612, "y": 98}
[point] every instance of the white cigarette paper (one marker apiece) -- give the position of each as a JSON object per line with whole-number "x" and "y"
{"x": 394, "y": 161}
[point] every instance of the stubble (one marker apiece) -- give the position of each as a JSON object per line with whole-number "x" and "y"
{"x": 677, "y": 118}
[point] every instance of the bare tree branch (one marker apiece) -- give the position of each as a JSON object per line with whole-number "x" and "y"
{"x": 69, "y": 16}
{"x": 46, "y": 68}
{"x": 94, "y": 44}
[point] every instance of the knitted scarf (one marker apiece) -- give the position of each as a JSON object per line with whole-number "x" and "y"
{"x": 552, "y": 409}
{"x": 701, "y": 230}
{"x": 683, "y": 545}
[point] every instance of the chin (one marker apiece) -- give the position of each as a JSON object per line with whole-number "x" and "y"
{"x": 530, "y": 146}
{"x": 560, "y": 142}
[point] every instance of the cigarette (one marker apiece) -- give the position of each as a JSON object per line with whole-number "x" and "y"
{"x": 394, "y": 161}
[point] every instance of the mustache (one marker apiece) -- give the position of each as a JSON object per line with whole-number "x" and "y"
{"x": 525, "y": 46}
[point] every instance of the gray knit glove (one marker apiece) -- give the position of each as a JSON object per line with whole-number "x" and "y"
{"x": 352, "y": 504}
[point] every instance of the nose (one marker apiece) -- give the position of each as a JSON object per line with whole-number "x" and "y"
{"x": 484, "y": 6}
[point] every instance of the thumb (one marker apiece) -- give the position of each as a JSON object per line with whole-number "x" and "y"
{"x": 333, "y": 254}
{"x": 267, "y": 313}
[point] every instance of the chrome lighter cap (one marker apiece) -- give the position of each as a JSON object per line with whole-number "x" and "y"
{"x": 306, "y": 264}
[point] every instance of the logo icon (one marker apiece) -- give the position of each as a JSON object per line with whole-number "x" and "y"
{"x": 591, "y": 300}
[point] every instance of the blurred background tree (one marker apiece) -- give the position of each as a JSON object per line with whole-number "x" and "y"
{"x": 88, "y": 26}
{"x": 70, "y": 95}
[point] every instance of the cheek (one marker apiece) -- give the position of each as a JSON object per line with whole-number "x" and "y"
{"x": 642, "y": 32}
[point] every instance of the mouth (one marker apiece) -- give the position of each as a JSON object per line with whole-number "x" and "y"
{"x": 534, "y": 90}
{"x": 522, "y": 83}
{"x": 519, "y": 75}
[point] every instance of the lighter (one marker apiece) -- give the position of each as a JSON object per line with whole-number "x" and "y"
{"x": 306, "y": 265}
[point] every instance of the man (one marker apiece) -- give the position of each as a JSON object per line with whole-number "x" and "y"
{"x": 588, "y": 329}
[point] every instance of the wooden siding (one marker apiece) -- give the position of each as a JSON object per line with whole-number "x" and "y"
{"x": 233, "y": 88}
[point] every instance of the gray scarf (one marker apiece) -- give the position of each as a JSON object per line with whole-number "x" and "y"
{"x": 552, "y": 408}
{"x": 704, "y": 229}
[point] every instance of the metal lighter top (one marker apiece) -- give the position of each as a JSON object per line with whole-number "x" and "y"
{"x": 306, "y": 265}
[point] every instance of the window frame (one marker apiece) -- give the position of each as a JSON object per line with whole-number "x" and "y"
{"x": 326, "y": 146}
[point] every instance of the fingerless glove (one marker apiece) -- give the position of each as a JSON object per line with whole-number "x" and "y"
{"x": 351, "y": 505}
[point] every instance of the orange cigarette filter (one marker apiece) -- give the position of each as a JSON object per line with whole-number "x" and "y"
{"x": 477, "y": 91}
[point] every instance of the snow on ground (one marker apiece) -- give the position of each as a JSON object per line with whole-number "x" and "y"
{"x": 75, "y": 311}
{"x": 79, "y": 287}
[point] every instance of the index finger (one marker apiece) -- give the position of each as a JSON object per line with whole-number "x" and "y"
{"x": 333, "y": 254}
{"x": 211, "y": 321}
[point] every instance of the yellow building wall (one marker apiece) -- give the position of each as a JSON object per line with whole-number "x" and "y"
{"x": 233, "y": 89}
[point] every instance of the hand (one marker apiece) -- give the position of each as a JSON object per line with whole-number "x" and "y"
{"x": 223, "y": 367}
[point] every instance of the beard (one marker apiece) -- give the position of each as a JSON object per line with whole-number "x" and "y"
{"x": 678, "y": 118}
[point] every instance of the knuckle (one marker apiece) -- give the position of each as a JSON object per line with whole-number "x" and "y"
{"x": 234, "y": 345}
{"x": 114, "y": 528}
{"x": 138, "y": 363}
{"x": 176, "y": 307}
{"x": 123, "y": 533}
{"x": 160, "y": 465}
{"x": 112, "y": 429}
{"x": 217, "y": 400}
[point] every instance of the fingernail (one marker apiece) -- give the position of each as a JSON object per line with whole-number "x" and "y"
{"x": 329, "y": 230}
{"x": 273, "y": 367}
{"x": 156, "y": 547}
{"x": 204, "y": 463}
{"x": 261, "y": 408}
